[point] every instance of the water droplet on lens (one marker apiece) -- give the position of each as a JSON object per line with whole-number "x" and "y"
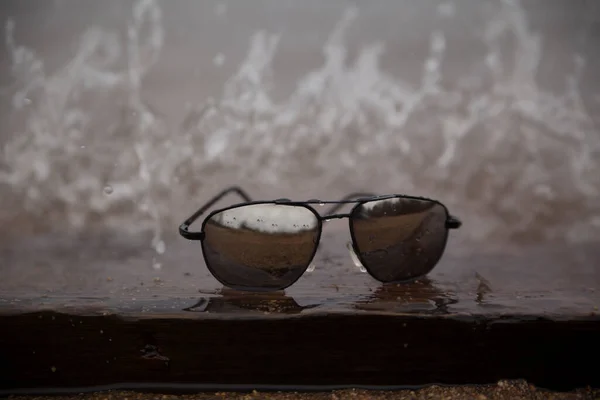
{"x": 108, "y": 189}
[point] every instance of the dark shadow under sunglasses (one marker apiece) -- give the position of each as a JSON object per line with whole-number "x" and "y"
{"x": 268, "y": 245}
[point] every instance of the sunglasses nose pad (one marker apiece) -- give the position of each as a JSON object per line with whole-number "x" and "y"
{"x": 355, "y": 257}
{"x": 311, "y": 267}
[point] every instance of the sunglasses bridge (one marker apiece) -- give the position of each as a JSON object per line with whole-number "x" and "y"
{"x": 334, "y": 216}
{"x": 349, "y": 245}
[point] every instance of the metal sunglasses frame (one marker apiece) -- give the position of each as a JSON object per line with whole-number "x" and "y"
{"x": 358, "y": 199}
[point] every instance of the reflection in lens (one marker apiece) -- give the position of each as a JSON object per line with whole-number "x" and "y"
{"x": 399, "y": 238}
{"x": 260, "y": 246}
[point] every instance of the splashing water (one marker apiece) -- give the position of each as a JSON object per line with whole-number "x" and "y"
{"x": 515, "y": 160}
{"x": 69, "y": 158}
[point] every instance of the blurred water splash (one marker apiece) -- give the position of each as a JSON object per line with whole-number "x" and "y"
{"x": 72, "y": 159}
{"x": 516, "y": 160}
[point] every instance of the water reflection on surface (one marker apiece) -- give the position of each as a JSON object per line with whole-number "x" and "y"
{"x": 421, "y": 296}
{"x": 232, "y": 301}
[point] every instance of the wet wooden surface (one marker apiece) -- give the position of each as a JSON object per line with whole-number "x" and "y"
{"x": 126, "y": 276}
{"x": 97, "y": 312}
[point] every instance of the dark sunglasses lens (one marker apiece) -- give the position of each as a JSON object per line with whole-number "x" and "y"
{"x": 260, "y": 246}
{"x": 399, "y": 238}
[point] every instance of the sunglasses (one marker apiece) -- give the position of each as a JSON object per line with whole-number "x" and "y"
{"x": 268, "y": 245}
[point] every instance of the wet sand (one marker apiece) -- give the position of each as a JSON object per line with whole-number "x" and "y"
{"x": 504, "y": 390}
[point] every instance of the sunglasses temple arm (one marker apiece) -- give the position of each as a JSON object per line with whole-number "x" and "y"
{"x": 351, "y": 196}
{"x": 453, "y": 222}
{"x": 183, "y": 228}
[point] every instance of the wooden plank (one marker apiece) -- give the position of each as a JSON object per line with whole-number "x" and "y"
{"x": 61, "y": 350}
{"x": 96, "y": 312}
